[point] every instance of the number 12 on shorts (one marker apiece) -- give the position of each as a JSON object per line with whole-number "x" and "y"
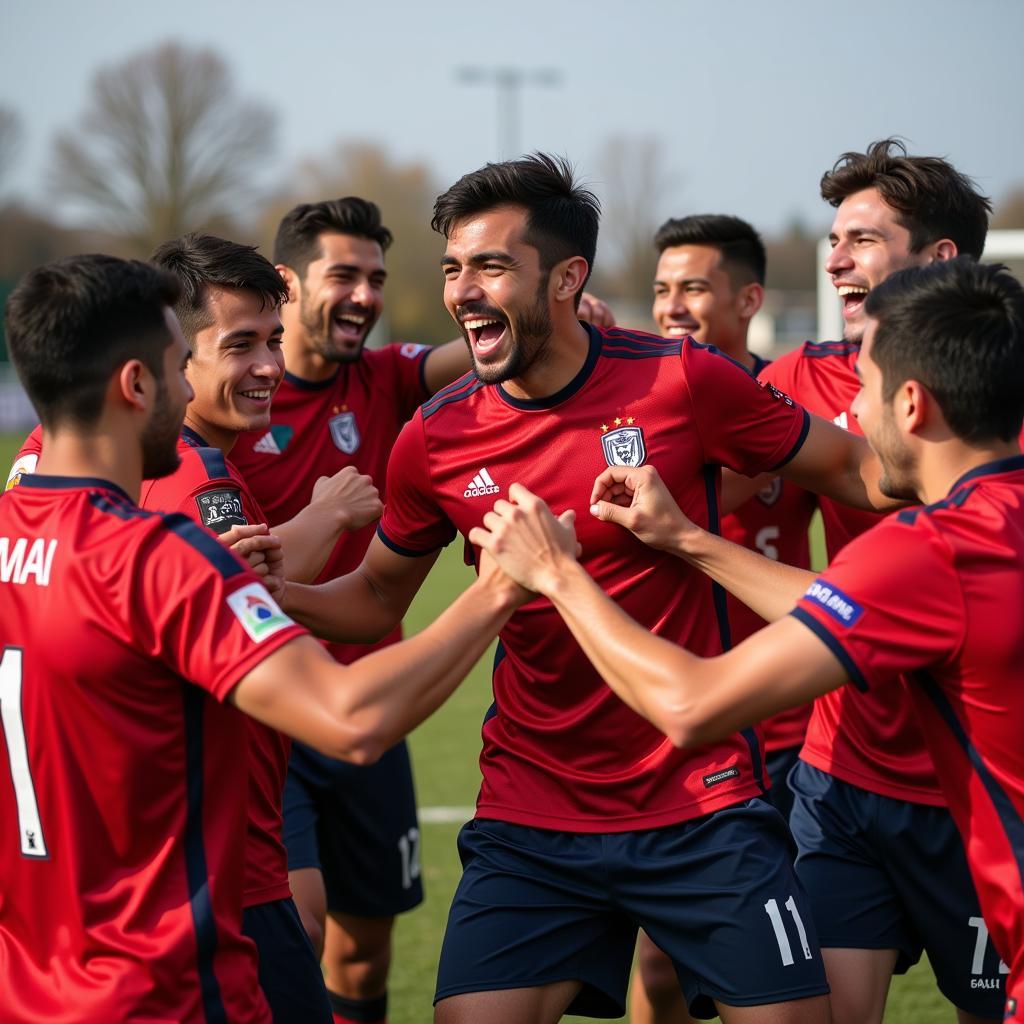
{"x": 771, "y": 908}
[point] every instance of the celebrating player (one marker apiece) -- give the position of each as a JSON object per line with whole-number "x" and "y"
{"x": 709, "y": 283}
{"x": 125, "y": 635}
{"x": 588, "y": 821}
{"x": 880, "y": 856}
{"x": 930, "y": 593}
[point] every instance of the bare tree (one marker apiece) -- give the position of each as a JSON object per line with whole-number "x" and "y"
{"x": 166, "y": 145}
{"x": 10, "y": 138}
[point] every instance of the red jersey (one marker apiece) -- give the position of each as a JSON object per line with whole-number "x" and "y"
{"x": 775, "y": 523}
{"x": 123, "y": 634}
{"x": 320, "y": 427}
{"x": 208, "y": 488}
{"x": 868, "y": 739}
{"x": 938, "y": 593}
{"x": 560, "y": 750}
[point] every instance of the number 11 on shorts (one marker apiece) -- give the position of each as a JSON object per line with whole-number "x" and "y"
{"x": 785, "y": 949}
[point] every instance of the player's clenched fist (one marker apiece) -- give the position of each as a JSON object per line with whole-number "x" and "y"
{"x": 352, "y": 494}
{"x": 637, "y": 498}
{"x": 526, "y": 540}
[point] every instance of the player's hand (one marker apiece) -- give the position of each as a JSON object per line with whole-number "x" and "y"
{"x": 526, "y": 540}
{"x": 595, "y": 311}
{"x": 637, "y": 498}
{"x": 352, "y": 495}
{"x": 255, "y": 544}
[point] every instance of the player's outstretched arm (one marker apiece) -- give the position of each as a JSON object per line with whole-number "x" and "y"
{"x": 363, "y": 606}
{"x": 357, "y": 712}
{"x": 346, "y": 501}
{"x": 692, "y": 700}
{"x": 445, "y": 363}
{"x": 637, "y": 499}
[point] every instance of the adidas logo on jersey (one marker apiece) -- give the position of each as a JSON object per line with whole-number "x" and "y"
{"x": 267, "y": 444}
{"x": 480, "y": 485}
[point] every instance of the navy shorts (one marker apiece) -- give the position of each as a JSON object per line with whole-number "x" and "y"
{"x": 717, "y": 894}
{"x": 779, "y": 764}
{"x": 889, "y": 874}
{"x": 289, "y": 970}
{"x": 357, "y": 824}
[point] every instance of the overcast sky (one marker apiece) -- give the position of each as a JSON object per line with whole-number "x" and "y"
{"x": 752, "y": 100}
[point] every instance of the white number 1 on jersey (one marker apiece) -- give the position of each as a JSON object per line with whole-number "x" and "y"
{"x": 29, "y": 825}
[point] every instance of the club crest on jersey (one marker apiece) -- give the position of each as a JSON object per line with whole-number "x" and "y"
{"x": 624, "y": 446}
{"x": 771, "y": 492}
{"x": 257, "y": 611}
{"x": 345, "y": 432}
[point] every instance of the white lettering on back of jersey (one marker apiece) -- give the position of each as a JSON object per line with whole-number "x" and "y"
{"x": 16, "y": 568}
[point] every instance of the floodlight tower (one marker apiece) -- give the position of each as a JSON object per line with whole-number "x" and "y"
{"x": 509, "y": 82}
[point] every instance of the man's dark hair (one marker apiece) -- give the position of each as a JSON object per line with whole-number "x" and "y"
{"x": 298, "y": 235}
{"x": 561, "y": 217}
{"x": 740, "y": 246}
{"x": 957, "y": 327}
{"x": 201, "y": 262}
{"x": 71, "y": 323}
{"x": 932, "y": 199}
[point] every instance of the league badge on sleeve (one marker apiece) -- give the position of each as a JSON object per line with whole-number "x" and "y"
{"x": 257, "y": 611}
{"x": 345, "y": 432}
{"x": 220, "y": 510}
{"x": 624, "y": 445}
{"x": 26, "y": 464}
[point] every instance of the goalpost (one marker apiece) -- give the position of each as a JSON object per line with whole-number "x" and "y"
{"x": 1000, "y": 247}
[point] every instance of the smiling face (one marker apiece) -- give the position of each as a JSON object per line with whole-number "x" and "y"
{"x": 868, "y": 244}
{"x": 341, "y": 296}
{"x": 694, "y": 295}
{"x": 236, "y": 365}
{"x": 496, "y": 292}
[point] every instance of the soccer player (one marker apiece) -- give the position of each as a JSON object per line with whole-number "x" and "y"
{"x": 880, "y": 856}
{"x": 588, "y": 821}
{"x": 931, "y": 594}
{"x": 708, "y": 284}
{"x": 126, "y": 635}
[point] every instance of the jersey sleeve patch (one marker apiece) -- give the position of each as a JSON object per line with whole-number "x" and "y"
{"x": 838, "y": 605}
{"x": 257, "y": 611}
{"x": 410, "y": 350}
{"x": 221, "y": 509}
{"x": 23, "y": 464}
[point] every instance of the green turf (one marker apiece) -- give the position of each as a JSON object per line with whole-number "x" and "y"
{"x": 445, "y": 751}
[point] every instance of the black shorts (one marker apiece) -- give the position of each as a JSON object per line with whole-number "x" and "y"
{"x": 717, "y": 894}
{"x": 883, "y": 873}
{"x": 358, "y": 826}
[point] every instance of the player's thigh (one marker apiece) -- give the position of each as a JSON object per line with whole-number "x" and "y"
{"x": 812, "y": 1010}
{"x": 720, "y": 897}
{"x": 532, "y": 910}
{"x": 926, "y": 858}
{"x": 289, "y": 973}
{"x": 840, "y": 865}
{"x": 654, "y": 995}
{"x": 543, "y": 1005}
{"x": 369, "y": 839}
{"x": 860, "y": 980}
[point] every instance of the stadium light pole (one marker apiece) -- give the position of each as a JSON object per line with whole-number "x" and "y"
{"x": 509, "y": 82}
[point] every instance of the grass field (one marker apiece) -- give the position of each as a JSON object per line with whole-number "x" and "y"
{"x": 445, "y": 751}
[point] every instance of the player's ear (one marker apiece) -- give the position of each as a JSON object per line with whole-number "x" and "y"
{"x": 914, "y": 405}
{"x": 132, "y": 384}
{"x": 291, "y": 279}
{"x": 567, "y": 278}
{"x": 944, "y": 249}
{"x": 749, "y": 300}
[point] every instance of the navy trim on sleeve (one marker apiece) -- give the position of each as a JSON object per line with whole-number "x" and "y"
{"x": 825, "y": 349}
{"x": 214, "y": 463}
{"x": 196, "y": 870}
{"x": 195, "y": 536}
{"x": 60, "y": 483}
{"x": 797, "y": 444}
{"x": 424, "y": 390}
{"x": 827, "y": 638}
{"x": 468, "y": 384}
{"x": 405, "y": 552}
{"x": 909, "y": 516}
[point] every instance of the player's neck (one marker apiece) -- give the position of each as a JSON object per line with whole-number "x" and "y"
{"x": 214, "y": 436}
{"x": 945, "y": 462}
{"x": 738, "y": 350}
{"x": 100, "y": 456}
{"x": 566, "y": 353}
{"x": 302, "y": 361}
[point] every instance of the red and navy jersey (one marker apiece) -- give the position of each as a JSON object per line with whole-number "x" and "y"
{"x": 318, "y": 428}
{"x": 123, "y": 634}
{"x": 206, "y": 487}
{"x": 560, "y": 750}
{"x": 937, "y": 594}
{"x": 775, "y": 523}
{"x": 867, "y": 739}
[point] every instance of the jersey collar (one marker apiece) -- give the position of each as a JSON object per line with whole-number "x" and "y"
{"x": 62, "y": 483}
{"x": 1010, "y": 464}
{"x": 192, "y": 439}
{"x": 570, "y": 389}
{"x": 311, "y": 385}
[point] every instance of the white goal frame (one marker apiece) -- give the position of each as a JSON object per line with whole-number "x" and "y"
{"x": 1000, "y": 245}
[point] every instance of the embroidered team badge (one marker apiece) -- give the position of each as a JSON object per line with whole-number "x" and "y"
{"x": 771, "y": 492}
{"x": 257, "y": 611}
{"x": 623, "y": 446}
{"x": 220, "y": 510}
{"x": 345, "y": 432}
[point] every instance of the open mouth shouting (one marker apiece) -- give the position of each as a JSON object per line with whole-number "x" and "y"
{"x": 352, "y": 323}
{"x": 485, "y": 333}
{"x": 852, "y": 296}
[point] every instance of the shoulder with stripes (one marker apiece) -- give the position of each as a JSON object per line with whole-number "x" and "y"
{"x": 825, "y": 349}
{"x": 457, "y": 391}
{"x": 617, "y": 343}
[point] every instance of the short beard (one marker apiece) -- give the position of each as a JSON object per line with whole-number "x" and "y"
{"x": 899, "y": 472}
{"x": 531, "y": 342}
{"x": 319, "y": 337}
{"x": 159, "y": 439}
